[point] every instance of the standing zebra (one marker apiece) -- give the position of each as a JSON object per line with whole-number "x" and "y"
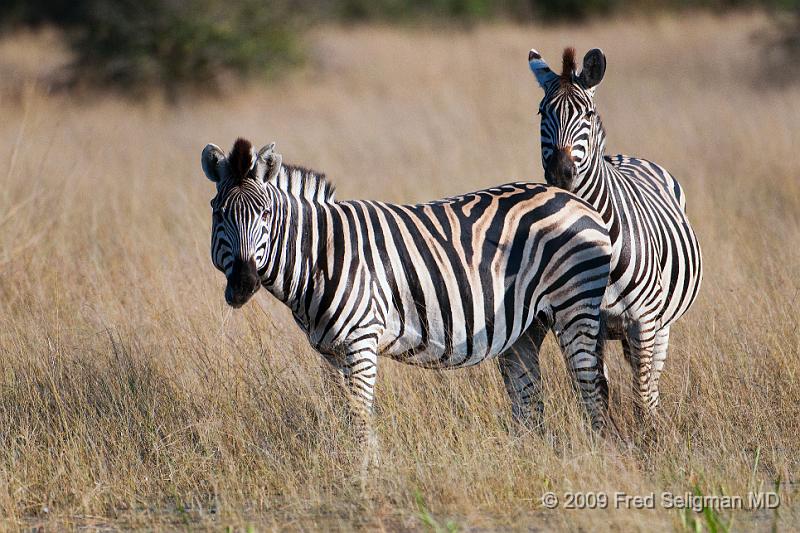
{"x": 444, "y": 284}
{"x": 656, "y": 266}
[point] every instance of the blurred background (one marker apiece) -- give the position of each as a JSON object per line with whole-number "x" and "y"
{"x": 132, "y": 396}
{"x": 182, "y": 46}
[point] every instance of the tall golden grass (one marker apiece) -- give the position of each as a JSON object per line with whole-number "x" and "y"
{"x": 130, "y": 395}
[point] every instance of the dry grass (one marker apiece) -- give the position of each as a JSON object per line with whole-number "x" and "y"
{"x": 130, "y": 395}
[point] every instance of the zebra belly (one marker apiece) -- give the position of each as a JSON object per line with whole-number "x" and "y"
{"x": 435, "y": 348}
{"x": 437, "y": 354}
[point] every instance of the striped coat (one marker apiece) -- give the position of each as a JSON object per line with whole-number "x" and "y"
{"x": 656, "y": 265}
{"x": 444, "y": 284}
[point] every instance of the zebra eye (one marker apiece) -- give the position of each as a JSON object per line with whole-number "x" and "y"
{"x": 590, "y": 113}
{"x": 265, "y": 215}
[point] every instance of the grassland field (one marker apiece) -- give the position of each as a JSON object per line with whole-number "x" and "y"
{"x": 131, "y": 396}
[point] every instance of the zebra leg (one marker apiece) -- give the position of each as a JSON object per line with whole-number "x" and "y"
{"x": 601, "y": 355}
{"x": 659, "y": 357}
{"x": 358, "y": 370}
{"x": 638, "y": 347}
{"x": 602, "y": 344}
{"x": 519, "y": 366}
{"x": 579, "y": 344}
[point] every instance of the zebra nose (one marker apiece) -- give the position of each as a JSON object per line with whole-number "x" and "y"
{"x": 561, "y": 169}
{"x": 242, "y": 283}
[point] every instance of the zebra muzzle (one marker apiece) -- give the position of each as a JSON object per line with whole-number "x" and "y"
{"x": 561, "y": 169}
{"x": 243, "y": 283}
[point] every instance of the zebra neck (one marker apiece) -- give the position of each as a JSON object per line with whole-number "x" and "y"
{"x": 294, "y": 252}
{"x": 595, "y": 182}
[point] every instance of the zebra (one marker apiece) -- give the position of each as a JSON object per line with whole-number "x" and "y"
{"x": 656, "y": 261}
{"x": 443, "y": 284}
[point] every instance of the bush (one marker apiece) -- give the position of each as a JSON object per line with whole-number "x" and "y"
{"x": 355, "y": 10}
{"x": 133, "y": 44}
{"x": 781, "y": 44}
{"x": 172, "y": 44}
{"x": 467, "y": 10}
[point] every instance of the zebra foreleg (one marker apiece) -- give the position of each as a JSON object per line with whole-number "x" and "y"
{"x": 519, "y": 366}
{"x": 358, "y": 369}
{"x": 579, "y": 344}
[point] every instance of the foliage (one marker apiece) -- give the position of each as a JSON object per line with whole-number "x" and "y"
{"x": 137, "y": 43}
{"x": 782, "y": 47}
{"x": 431, "y": 523}
{"x": 520, "y": 10}
{"x": 405, "y": 9}
{"x": 172, "y": 44}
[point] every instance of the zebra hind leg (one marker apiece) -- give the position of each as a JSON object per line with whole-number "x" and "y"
{"x": 659, "y": 358}
{"x": 519, "y": 366}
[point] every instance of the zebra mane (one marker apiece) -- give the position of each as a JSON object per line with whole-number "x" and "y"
{"x": 241, "y": 160}
{"x": 304, "y": 183}
{"x": 568, "y": 66}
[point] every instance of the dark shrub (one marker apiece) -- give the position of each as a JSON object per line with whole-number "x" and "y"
{"x": 174, "y": 44}
{"x": 169, "y": 44}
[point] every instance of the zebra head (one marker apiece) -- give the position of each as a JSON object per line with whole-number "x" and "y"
{"x": 572, "y": 133}
{"x": 241, "y": 214}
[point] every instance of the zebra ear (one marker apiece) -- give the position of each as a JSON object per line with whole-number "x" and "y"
{"x": 594, "y": 67}
{"x": 540, "y": 69}
{"x": 271, "y": 161}
{"x": 212, "y": 161}
{"x": 266, "y": 150}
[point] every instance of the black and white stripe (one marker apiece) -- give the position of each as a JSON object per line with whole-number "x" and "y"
{"x": 444, "y": 284}
{"x": 656, "y": 266}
